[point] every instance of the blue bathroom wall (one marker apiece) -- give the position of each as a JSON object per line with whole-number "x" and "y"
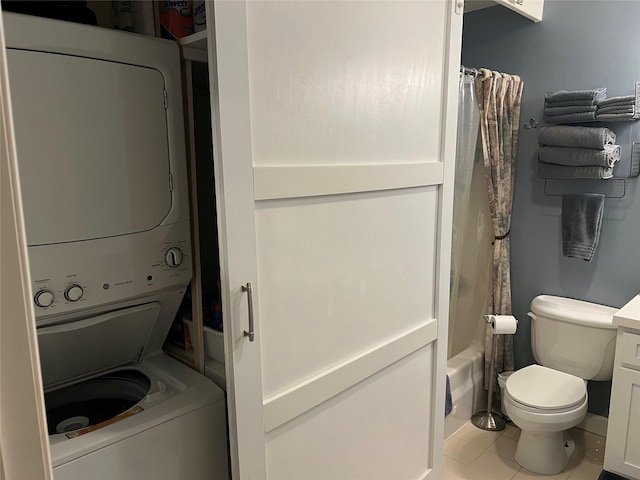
{"x": 578, "y": 45}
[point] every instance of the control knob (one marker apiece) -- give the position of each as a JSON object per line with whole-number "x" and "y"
{"x": 44, "y": 298}
{"x": 173, "y": 257}
{"x": 73, "y": 292}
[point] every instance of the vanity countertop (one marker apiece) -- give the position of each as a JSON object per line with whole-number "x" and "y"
{"x": 629, "y": 315}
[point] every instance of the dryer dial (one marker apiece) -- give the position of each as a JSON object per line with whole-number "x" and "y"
{"x": 173, "y": 257}
{"x": 73, "y": 292}
{"x": 44, "y": 298}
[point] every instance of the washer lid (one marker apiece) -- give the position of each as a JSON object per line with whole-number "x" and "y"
{"x": 546, "y": 389}
{"x": 84, "y": 347}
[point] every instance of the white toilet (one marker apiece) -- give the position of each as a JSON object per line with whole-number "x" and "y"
{"x": 574, "y": 341}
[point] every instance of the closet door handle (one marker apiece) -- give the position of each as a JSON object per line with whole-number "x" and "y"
{"x": 251, "y": 333}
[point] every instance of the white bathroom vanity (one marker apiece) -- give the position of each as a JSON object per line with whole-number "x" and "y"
{"x": 622, "y": 454}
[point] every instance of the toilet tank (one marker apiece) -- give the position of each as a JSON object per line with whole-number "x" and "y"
{"x": 573, "y": 336}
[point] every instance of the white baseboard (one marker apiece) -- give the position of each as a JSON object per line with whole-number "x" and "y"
{"x": 595, "y": 424}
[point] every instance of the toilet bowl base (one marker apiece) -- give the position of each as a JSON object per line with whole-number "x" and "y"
{"x": 546, "y": 453}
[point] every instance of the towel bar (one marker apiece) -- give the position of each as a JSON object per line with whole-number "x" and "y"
{"x": 616, "y": 181}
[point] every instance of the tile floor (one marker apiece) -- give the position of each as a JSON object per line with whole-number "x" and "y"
{"x": 474, "y": 454}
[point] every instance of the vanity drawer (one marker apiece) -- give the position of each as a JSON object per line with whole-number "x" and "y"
{"x": 630, "y": 350}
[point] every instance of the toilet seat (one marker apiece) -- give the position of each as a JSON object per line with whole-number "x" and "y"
{"x": 543, "y": 390}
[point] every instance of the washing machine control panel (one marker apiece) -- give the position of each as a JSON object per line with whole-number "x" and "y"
{"x": 73, "y": 292}
{"x": 79, "y": 275}
{"x": 44, "y": 298}
{"x": 173, "y": 257}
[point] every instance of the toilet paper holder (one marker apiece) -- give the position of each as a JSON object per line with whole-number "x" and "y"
{"x": 487, "y": 419}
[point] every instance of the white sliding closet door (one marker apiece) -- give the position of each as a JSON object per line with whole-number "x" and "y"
{"x": 24, "y": 444}
{"x": 334, "y": 133}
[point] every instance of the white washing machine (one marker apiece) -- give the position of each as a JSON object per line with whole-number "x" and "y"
{"x": 100, "y": 143}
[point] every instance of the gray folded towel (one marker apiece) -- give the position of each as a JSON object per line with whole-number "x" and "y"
{"x": 584, "y": 137}
{"x": 597, "y": 94}
{"x": 549, "y": 111}
{"x": 549, "y": 170}
{"x": 616, "y": 109}
{"x": 571, "y": 103}
{"x": 572, "y": 118}
{"x": 617, "y": 100}
{"x": 616, "y": 117}
{"x": 617, "y": 104}
{"x": 577, "y": 157}
{"x": 581, "y": 224}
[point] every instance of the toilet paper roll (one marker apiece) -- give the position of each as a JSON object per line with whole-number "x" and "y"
{"x": 503, "y": 324}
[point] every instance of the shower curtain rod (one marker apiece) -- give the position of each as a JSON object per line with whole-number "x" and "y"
{"x": 469, "y": 71}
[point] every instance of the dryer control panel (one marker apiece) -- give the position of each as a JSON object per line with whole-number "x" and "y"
{"x": 79, "y": 275}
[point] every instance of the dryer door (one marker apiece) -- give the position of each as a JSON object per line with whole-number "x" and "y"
{"x": 92, "y": 146}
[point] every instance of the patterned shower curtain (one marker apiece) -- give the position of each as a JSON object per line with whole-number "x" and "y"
{"x": 499, "y": 97}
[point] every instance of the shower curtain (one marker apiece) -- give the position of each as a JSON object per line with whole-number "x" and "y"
{"x": 499, "y": 97}
{"x": 468, "y": 124}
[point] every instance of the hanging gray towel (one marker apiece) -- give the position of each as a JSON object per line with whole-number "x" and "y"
{"x": 582, "y": 137}
{"x": 577, "y": 157}
{"x": 581, "y": 223}
{"x": 448, "y": 402}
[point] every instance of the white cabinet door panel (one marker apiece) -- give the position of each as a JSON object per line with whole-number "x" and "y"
{"x": 331, "y": 281}
{"x": 367, "y": 437}
{"x": 623, "y": 441}
{"x": 532, "y": 9}
{"x": 334, "y": 133}
{"x": 345, "y": 82}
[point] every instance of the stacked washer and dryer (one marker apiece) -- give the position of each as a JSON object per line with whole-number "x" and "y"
{"x": 100, "y": 142}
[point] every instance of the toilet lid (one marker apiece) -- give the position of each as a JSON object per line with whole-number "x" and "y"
{"x": 546, "y": 389}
